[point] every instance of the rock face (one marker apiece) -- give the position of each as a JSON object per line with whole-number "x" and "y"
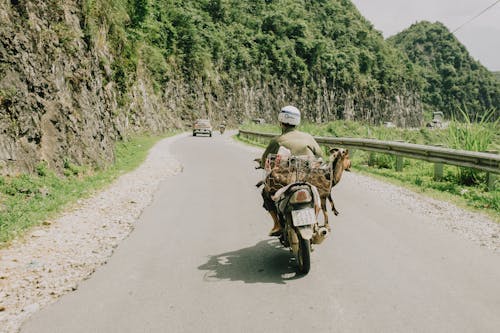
{"x": 56, "y": 102}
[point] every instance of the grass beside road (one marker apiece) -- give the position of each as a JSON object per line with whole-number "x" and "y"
{"x": 417, "y": 175}
{"x": 29, "y": 200}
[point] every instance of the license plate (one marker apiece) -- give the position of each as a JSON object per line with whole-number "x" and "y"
{"x": 303, "y": 217}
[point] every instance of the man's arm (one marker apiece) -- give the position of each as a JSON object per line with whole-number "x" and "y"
{"x": 315, "y": 148}
{"x": 272, "y": 148}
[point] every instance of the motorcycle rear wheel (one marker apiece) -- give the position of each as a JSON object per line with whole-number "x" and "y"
{"x": 304, "y": 256}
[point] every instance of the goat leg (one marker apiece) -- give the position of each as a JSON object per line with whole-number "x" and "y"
{"x": 325, "y": 213}
{"x": 335, "y": 211}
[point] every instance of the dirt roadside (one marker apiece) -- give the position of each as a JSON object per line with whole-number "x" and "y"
{"x": 52, "y": 259}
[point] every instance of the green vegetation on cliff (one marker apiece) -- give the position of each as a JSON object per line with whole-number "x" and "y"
{"x": 322, "y": 55}
{"x": 454, "y": 80}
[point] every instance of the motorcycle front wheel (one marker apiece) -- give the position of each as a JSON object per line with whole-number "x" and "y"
{"x": 304, "y": 256}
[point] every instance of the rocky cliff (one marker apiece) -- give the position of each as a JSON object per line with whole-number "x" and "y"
{"x": 57, "y": 102}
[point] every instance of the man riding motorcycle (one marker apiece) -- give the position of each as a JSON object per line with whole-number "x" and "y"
{"x": 299, "y": 144}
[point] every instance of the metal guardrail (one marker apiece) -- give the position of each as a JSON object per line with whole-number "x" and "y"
{"x": 476, "y": 160}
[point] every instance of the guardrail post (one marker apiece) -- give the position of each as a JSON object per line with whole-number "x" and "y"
{"x": 371, "y": 157}
{"x": 491, "y": 177}
{"x": 438, "y": 171}
{"x": 399, "y": 161}
{"x": 438, "y": 168}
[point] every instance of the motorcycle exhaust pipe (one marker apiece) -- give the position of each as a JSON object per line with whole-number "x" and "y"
{"x": 320, "y": 236}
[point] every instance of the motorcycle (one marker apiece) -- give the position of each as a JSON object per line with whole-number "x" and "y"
{"x": 298, "y": 205}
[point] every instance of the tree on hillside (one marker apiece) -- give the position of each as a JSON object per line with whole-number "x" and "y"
{"x": 454, "y": 80}
{"x": 322, "y": 55}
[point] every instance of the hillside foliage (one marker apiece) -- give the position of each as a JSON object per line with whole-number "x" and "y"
{"x": 454, "y": 81}
{"x": 322, "y": 55}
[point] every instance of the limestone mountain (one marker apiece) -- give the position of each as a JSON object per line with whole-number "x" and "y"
{"x": 454, "y": 81}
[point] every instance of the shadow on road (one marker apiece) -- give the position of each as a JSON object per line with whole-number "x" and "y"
{"x": 266, "y": 262}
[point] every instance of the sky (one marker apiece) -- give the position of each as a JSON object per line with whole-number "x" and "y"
{"x": 481, "y": 37}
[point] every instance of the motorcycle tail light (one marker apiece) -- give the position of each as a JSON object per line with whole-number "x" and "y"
{"x": 301, "y": 196}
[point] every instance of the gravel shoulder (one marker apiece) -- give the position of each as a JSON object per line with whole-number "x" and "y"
{"x": 53, "y": 259}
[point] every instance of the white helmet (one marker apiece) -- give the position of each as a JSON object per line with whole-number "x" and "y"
{"x": 289, "y": 115}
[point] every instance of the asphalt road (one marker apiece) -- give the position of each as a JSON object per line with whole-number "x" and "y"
{"x": 199, "y": 260}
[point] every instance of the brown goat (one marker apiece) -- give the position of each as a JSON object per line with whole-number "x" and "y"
{"x": 340, "y": 161}
{"x": 323, "y": 178}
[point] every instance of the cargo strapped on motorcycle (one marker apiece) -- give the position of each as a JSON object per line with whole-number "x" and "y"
{"x": 282, "y": 170}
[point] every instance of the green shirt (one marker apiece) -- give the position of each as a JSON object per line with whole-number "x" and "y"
{"x": 299, "y": 143}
